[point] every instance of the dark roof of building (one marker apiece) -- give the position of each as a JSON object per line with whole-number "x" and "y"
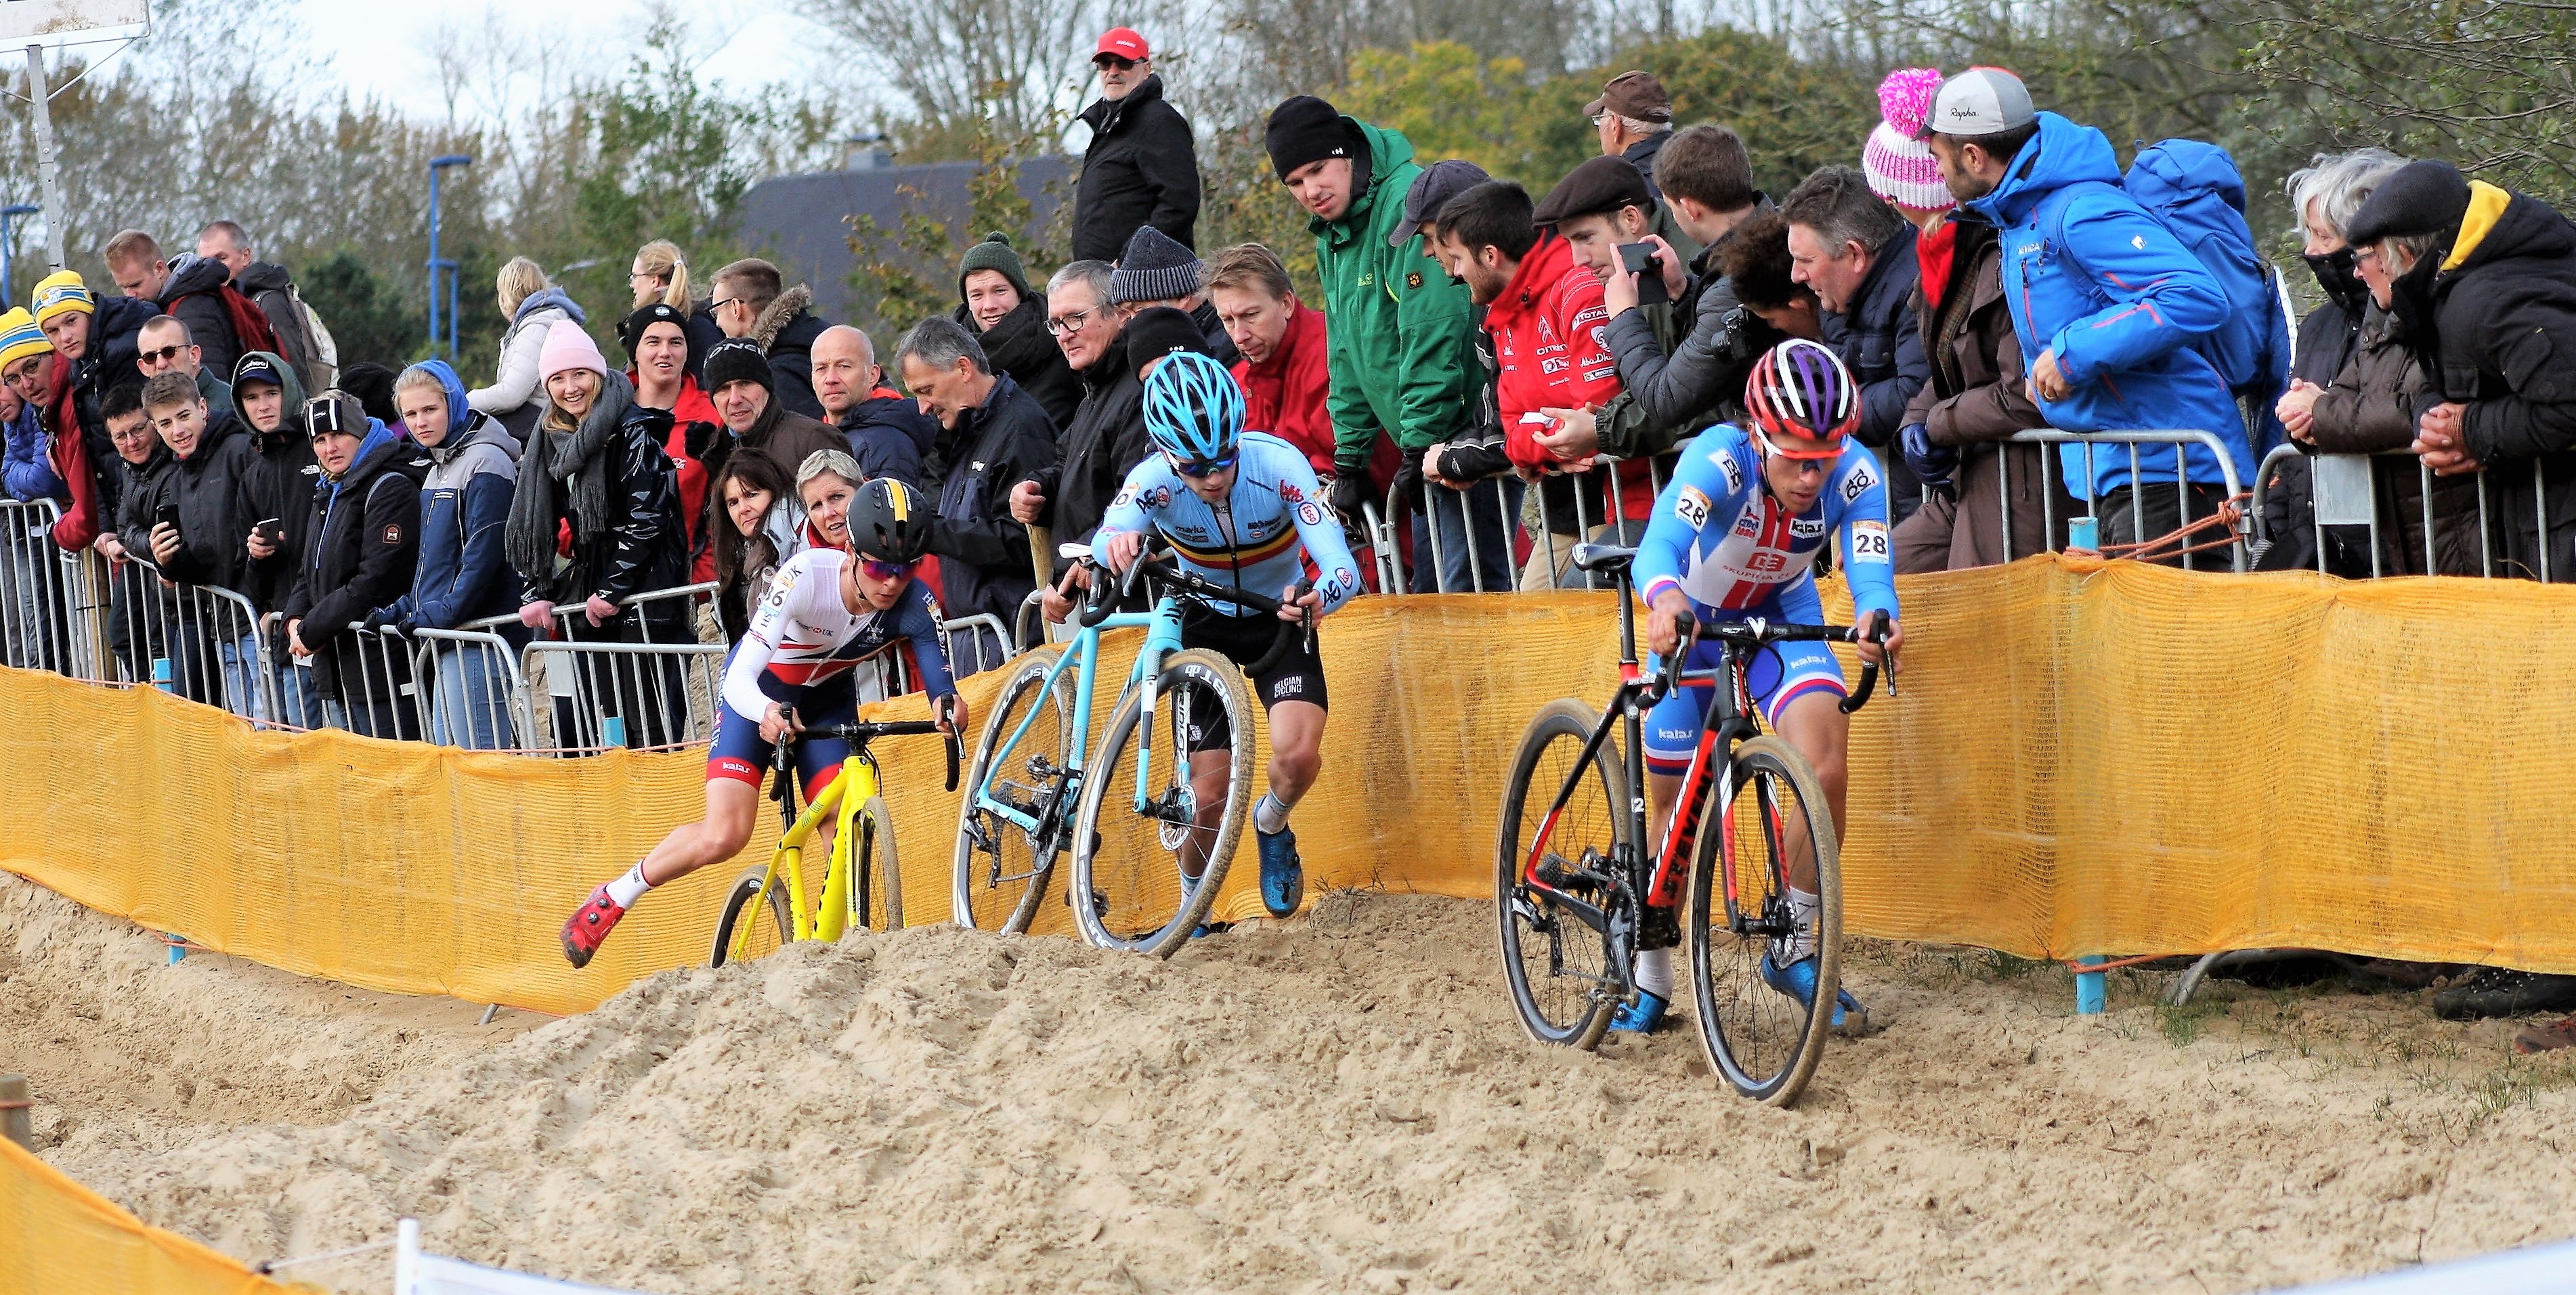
{"x": 802, "y": 222}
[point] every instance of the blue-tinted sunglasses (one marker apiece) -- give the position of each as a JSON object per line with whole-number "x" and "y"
{"x": 1203, "y": 468}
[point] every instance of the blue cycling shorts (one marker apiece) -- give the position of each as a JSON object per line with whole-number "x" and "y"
{"x": 740, "y": 755}
{"x": 1777, "y": 675}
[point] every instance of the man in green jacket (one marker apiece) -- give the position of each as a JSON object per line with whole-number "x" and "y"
{"x": 1398, "y": 331}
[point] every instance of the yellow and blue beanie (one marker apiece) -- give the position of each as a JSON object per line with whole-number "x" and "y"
{"x": 60, "y": 291}
{"x": 20, "y": 338}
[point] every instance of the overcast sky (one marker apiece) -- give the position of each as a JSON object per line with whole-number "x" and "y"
{"x": 377, "y": 46}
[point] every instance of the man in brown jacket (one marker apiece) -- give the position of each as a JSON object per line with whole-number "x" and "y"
{"x": 1976, "y": 397}
{"x": 739, "y": 381}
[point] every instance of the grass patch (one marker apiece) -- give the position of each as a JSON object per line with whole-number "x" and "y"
{"x": 2182, "y": 1025}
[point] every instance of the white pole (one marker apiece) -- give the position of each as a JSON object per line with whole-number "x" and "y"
{"x": 406, "y": 1256}
{"x": 48, "y": 178}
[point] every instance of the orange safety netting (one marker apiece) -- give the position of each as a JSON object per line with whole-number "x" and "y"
{"x": 2082, "y": 758}
{"x": 60, "y": 1238}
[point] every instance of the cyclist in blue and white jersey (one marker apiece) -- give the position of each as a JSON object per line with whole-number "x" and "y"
{"x": 1240, "y": 508}
{"x": 1735, "y": 536}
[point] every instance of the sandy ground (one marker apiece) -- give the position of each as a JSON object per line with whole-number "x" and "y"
{"x": 1342, "y": 1105}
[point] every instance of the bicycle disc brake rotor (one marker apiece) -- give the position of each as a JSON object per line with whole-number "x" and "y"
{"x": 1176, "y": 816}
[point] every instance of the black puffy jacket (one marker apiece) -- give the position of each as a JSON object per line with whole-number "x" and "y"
{"x": 1142, "y": 168}
{"x": 193, "y": 297}
{"x": 210, "y": 488}
{"x": 644, "y": 546}
{"x": 1019, "y": 347}
{"x": 1881, "y": 342}
{"x": 1106, "y": 438}
{"x": 361, "y": 544}
{"x": 986, "y": 565}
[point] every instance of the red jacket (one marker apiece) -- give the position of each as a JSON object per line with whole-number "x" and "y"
{"x": 69, "y": 453}
{"x": 1284, "y": 396}
{"x": 1551, "y": 345}
{"x": 691, "y": 407}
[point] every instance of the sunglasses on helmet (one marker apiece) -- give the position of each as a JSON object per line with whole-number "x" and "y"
{"x": 1203, "y": 468}
{"x": 885, "y": 570}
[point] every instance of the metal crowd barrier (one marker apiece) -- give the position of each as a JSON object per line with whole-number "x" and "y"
{"x": 2343, "y": 490}
{"x": 45, "y": 619}
{"x": 198, "y": 641}
{"x": 1523, "y": 525}
{"x": 469, "y": 686}
{"x": 2131, "y": 442}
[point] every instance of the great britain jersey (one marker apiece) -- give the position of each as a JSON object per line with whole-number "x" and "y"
{"x": 804, "y": 635}
{"x": 1720, "y": 537}
{"x": 1257, "y": 539}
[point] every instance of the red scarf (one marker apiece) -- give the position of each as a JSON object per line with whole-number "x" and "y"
{"x": 1933, "y": 251}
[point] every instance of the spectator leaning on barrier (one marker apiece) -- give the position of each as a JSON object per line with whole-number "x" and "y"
{"x": 660, "y": 276}
{"x": 1009, "y": 320}
{"x": 1634, "y": 119}
{"x": 762, "y": 526}
{"x": 96, "y": 341}
{"x": 755, "y": 421}
{"x": 204, "y": 493}
{"x": 2354, "y": 392}
{"x": 463, "y": 574}
{"x": 1680, "y": 376}
{"x": 141, "y": 461}
{"x": 1069, "y": 492}
{"x": 1480, "y": 432}
{"x": 533, "y": 306}
{"x": 753, "y": 302}
{"x": 2111, "y": 307}
{"x": 301, "y": 339}
{"x": 165, "y": 346}
{"x": 2484, "y": 282}
{"x": 887, "y": 433}
{"x": 1141, "y": 169}
{"x": 1001, "y": 437}
{"x": 197, "y": 290}
{"x": 361, "y": 546}
{"x": 1400, "y": 329}
{"x": 1857, "y": 253}
{"x": 1757, "y": 264}
{"x": 1155, "y": 271}
{"x": 661, "y": 365}
{"x": 1974, "y": 395}
{"x": 277, "y": 495}
{"x": 27, "y": 475}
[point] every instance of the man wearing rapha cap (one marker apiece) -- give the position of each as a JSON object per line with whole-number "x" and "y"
{"x": 1142, "y": 165}
{"x": 2106, "y": 303}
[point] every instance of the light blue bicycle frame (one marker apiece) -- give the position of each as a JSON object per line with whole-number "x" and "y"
{"x": 1162, "y": 638}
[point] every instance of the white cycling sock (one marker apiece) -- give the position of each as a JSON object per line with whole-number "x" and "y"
{"x": 627, "y": 889}
{"x": 1655, "y": 973}
{"x": 1803, "y": 906}
{"x": 1268, "y": 815}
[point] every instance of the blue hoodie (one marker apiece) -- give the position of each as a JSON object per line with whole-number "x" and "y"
{"x": 464, "y": 508}
{"x": 2090, "y": 275}
{"x": 26, "y": 473}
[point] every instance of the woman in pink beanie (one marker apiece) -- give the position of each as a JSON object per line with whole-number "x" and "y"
{"x": 568, "y": 347}
{"x": 1900, "y": 166}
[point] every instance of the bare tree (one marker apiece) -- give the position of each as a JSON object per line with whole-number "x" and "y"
{"x": 963, "y": 67}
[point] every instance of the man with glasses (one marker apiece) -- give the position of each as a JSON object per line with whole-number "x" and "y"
{"x": 164, "y": 346}
{"x": 1142, "y": 166}
{"x": 997, "y": 435}
{"x": 1107, "y": 434}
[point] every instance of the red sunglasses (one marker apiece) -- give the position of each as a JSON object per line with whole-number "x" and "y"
{"x": 885, "y": 570}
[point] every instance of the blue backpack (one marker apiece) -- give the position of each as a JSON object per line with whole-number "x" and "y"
{"x": 2195, "y": 190}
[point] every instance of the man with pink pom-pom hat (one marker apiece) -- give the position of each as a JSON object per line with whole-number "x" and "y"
{"x": 1975, "y": 395}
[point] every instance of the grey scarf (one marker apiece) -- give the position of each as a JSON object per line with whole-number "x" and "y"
{"x": 560, "y": 464}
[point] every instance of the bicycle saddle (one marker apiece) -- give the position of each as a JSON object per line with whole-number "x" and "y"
{"x": 1603, "y": 557}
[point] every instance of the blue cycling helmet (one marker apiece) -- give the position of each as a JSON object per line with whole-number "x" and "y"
{"x": 1193, "y": 410}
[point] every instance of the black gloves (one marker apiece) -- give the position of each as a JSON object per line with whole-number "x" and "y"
{"x": 1350, "y": 490}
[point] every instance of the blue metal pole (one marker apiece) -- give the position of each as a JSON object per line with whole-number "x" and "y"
{"x": 439, "y": 265}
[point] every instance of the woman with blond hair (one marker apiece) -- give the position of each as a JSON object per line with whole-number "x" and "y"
{"x": 661, "y": 274}
{"x": 532, "y": 304}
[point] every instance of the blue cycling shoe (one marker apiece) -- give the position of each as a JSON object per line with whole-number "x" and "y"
{"x": 1283, "y": 878}
{"x": 1798, "y": 980}
{"x": 1644, "y": 1016}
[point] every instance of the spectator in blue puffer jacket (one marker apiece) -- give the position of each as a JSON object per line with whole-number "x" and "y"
{"x": 2107, "y": 304}
{"x": 463, "y": 575}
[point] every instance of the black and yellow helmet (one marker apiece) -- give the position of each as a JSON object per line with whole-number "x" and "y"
{"x": 889, "y": 521}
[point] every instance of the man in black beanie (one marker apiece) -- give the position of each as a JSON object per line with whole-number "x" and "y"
{"x": 1399, "y": 336}
{"x": 740, "y": 382}
{"x": 1155, "y": 271}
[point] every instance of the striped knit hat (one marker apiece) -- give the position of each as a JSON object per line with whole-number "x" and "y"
{"x": 20, "y": 338}
{"x": 60, "y": 291}
{"x": 1900, "y": 166}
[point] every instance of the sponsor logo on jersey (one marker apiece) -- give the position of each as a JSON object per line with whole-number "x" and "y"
{"x": 1125, "y": 493}
{"x": 1553, "y": 366}
{"x": 1156, "y": 497}
{"x": 1869, "y": 541}
{"x": 1748, "y": 523}
{"x": 1288, "y": 686}
{"x": 1766, "y": 561}
{"x": 1596, "y": 375}
{"x": 1309, "y": 514}
{"x": 1734, "y": 471}
{"x": 1691, "y": 506}
{"x": 1859, "y": 482}
{"x": 1288, "y": 490}
{"x": 1413, "y": 280}
{"x": 393, "y": 535}
{"x": 1806, "y": 527}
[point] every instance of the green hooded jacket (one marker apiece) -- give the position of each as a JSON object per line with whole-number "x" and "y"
{"x": 1399, "y": 326}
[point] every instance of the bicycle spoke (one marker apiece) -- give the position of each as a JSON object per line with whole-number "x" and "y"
{"x": 1752, "y": 950}
{"x": 1558, "y": 966}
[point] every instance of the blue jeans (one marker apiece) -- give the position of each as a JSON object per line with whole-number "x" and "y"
{"x": 1494, "y": 513}
{"x": 469, "y": 707}
{"x": 299, "y": 705}
{"x": 243, "y": 694}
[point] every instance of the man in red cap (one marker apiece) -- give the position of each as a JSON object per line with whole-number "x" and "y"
{"x": 1142, "y": 167}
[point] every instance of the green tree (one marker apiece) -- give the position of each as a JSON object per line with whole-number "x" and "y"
{"x": 368, "y": 320}
{"x": 908, "y": 271}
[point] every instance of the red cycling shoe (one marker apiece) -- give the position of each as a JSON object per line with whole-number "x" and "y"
{"x": 589, "y": 926}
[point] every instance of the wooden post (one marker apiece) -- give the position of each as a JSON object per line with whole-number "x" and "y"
{"x": 15, "y": 1122}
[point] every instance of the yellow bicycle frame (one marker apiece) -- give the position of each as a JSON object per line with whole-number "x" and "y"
{"x": 842, "y": 802}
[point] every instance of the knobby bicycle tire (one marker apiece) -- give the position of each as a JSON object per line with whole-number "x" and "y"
{"x": 875, "y": 878}
{"x": 1757, "y": 1037}
{"x": 1569, "y": 1009}
{"x": 741, "y": 915}
{"x": 1136, "y": 874}
{"x": 975, "y": 898}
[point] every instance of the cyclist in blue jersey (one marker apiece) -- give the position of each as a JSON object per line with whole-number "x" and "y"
{"x": 826, "y": 610}
{"x": 1734, "y": 537}
{"x": 1244, "y": 508}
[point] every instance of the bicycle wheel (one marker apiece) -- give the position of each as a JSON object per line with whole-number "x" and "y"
{"x": 1001, "y": 867}
{"x": 1127, "y": 885}
{"x": 876, "y": 883}
{"x": 1758, "y": 1034}
{"x": 1560, "y": 969}
{"x": 740, "y": 934}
